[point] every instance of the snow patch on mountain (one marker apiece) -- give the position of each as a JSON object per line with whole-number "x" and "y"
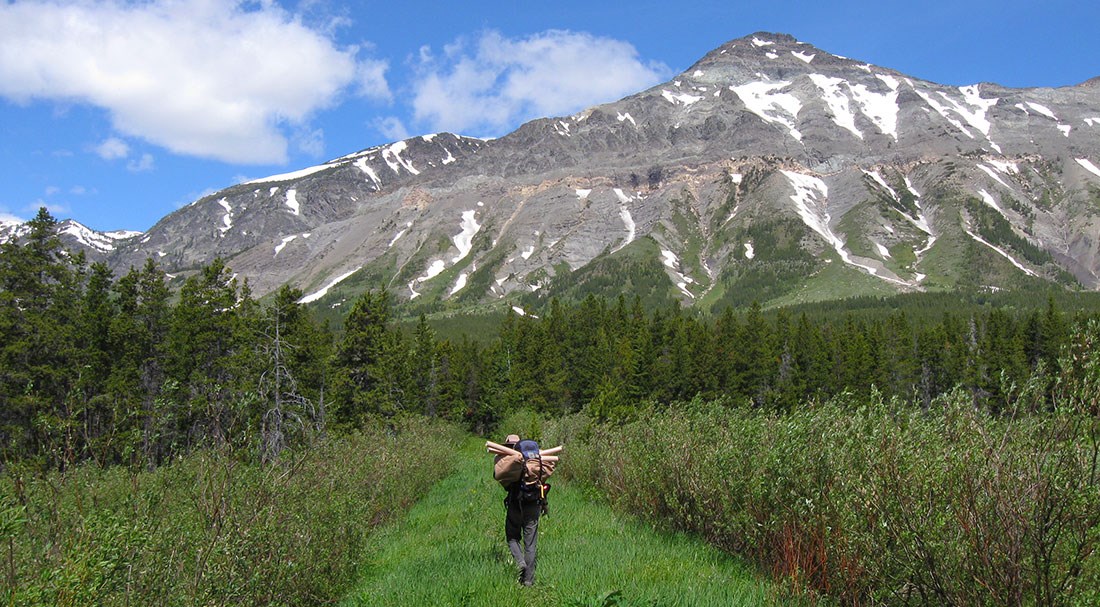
{"x": 679, "y": 98}
{"x": 803, "y": 56}
{"x": 292, "y": 202}
{"x": 363, "y": 166}
{"x": 435, "y": 269}
{"x": 392, "y": 156}
{"x": 988, "y": 199}
{"x": 749, "y": 252}
{"x": 227, "y": 219}
{"x": 880, "y": 108}
{"x": 1088, "y": 165}
{"x": 999, "y": 250}
{"x": 100, "y": 241}
{"x": 400, "y": 234}
{"x": 990, "y": 171}
{"x": 312, "y": 297}
{"x": 291, "y": 176}
{"x": 811, "y": 197}
{"x": 464, "y": 240}
{"x": 882, "y": 182}
{"x": 628, "y": 219}
{"x": 972, "y": 109}
{"x": 837, "y": 102}
{"x": 773, "y": 107}
{"x": 1040, "y": 109}
{"x": 673, "y": 263}
{"x": 282, "y": 244}
{"x": 460, "y": 283}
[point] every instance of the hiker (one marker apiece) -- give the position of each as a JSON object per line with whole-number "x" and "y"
{"x": 522, "y": 475}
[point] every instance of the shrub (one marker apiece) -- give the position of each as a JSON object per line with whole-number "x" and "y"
{"x": 869, "y": 501}
{"x": 211, "y": 528}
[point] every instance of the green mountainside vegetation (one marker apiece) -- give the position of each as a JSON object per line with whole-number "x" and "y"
{"x": 921, "y": 449}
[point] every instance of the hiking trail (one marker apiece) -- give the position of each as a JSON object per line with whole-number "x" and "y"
{"x": 450, "y": 550}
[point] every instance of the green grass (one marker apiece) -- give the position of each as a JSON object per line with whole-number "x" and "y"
{"x": 836, "y": 280}
{"x": 450, "y": 550}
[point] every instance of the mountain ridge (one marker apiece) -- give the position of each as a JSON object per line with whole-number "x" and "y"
{"x": 765, "y": 139}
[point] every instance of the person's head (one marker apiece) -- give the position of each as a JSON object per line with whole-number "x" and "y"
{"x": 511, "y": 440}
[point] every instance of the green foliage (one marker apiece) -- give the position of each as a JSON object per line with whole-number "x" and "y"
{"x": 994, "y": 228}
{"x": 779, "y": 265}
{"x": 867, "y": 502}
{"x": 636, "y": 268}
{"x": 211, "y": 529}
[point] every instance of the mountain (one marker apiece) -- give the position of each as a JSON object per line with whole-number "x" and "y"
{"x": 74, "y": 236}
{"x": 770, "y": 171}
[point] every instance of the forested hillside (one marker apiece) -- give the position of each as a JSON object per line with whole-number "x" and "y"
{"x": 121, "y": 370}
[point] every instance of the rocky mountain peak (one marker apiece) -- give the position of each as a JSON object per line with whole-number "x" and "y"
{"x": 770, "y": 170}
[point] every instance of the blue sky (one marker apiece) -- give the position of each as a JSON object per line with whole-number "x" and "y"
{"x": 116, "y": 113}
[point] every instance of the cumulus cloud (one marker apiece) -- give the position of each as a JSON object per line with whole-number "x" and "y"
{"x": 392, "y": 128}
{"x": 490, "y": 85}
{"x": 112, "y": 149}
{"x": 142, "y": 164}
{"x": 220, "y": 79}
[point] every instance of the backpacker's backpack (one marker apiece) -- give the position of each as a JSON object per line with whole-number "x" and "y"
{"x": 530, "y": 488}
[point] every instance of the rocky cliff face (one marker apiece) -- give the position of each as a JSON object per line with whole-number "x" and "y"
{"x": 770, "y": 170}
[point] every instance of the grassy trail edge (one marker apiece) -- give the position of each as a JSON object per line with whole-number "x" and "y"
{"x": 450, "y": 550}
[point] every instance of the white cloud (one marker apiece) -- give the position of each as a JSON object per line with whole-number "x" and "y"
{"x": 310, "y": 141}
{"x": 500, "y": 82}
{"x": 145, "y": 163}
{"x": 392, "y": 128}
{"x": 112, "y": 149}
{"x": 212, "y": 78}
{"x": 370, "y": 77}
{"x": 6, "y": 217}
{"x": 57, "y": 209}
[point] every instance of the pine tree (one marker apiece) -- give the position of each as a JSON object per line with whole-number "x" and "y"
{"x": 369, "y": 363}
{"x": 424, "y": 367}
{"x": 203, "y": 336}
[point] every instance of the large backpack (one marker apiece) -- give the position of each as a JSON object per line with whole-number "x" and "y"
{"x": 530, "y": 489}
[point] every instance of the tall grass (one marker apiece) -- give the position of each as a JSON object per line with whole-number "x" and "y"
{"x": 450, "y": 550}
{"x": 211, "y": 529}
{"x": 868, "y": 502}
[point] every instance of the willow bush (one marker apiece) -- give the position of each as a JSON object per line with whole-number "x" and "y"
{"x": 211, "y": 527}
{"x": 874, "y": 502}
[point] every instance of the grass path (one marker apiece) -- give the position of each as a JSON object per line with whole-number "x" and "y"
{"x": 450, "y": 550}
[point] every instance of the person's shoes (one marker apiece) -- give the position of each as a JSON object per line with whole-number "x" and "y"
{"x": 522, "y": 574}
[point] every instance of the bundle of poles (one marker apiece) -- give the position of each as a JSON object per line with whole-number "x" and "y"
{"x": 547, "y": 455}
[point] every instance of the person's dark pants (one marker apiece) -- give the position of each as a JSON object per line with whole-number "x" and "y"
{"x": 522, "y": 525}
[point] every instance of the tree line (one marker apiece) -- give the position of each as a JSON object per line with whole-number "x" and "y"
{"x": 126, "y": 371}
